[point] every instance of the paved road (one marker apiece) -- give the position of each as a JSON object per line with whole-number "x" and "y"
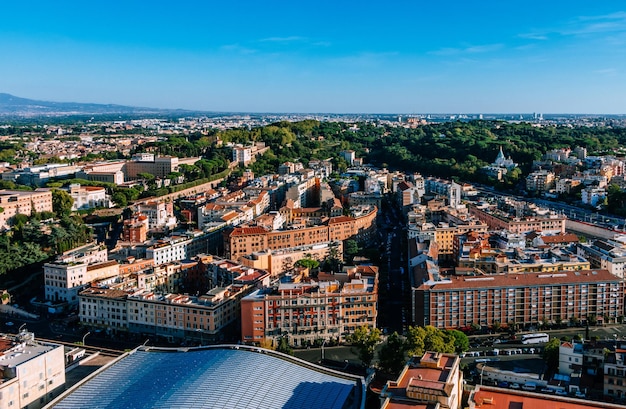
{"x": 392, "y": 309}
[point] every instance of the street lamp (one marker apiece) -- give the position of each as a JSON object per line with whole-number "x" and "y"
{"x": 21, "y": 326}
{"x": 481, "y": 374}
{"x": 85, "y": 336}
{"x": 323, "y": 343}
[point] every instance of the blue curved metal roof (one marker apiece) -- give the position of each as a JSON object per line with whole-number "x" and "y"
{"x": 212, "y": 378}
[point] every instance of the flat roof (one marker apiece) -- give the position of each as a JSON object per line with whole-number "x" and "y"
{"x": 496, "y": 398}
{"x": 525, "y": 280}
{"x": 213, "y": 377}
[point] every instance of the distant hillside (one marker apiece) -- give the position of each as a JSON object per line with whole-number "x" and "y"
{"x": 11, "y": 105}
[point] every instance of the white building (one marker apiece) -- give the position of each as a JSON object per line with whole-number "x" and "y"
{"x": 160, "y": 214}
{"x": 73, "y": 270}
{"x": 570, "y": 358}
{"x": 88, "y": 197}
{"x": 33, "y": 372}
{"x": 242, "y": 155}
{"x": 177, "y": 248}
{"x": 348, "y": 156}
{"x": 605, "y": 254}
{"x": 593, "y": 196}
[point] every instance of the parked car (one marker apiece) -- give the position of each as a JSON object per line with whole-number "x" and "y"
{"x": 515, "y": 385}
{"x": 530, "y": 386}
{"x": 503, "y": 384}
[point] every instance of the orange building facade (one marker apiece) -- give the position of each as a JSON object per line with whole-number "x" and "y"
{"x": 242, "y": 241}
{"x": 310, "y": 310}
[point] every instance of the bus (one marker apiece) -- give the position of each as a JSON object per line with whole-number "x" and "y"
{"x": 536, "y": 338}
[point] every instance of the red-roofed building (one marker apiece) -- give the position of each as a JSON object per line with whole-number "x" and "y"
{"x": 243, "y": 241}
{"x": 434, "y": 378}
{"x": 528, "y": 298}
{"x": 485, "y": 397}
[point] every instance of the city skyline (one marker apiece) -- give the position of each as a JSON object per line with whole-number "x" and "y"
{"x": 561, "y": 57}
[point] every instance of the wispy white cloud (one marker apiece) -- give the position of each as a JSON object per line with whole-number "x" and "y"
{"x": 587, "y": 25}
{"x": 288, "y": 39}
{"x": 473, "y": 49}
{"x": 606, "y": 71}
{"x": 534, "y": 36}
{"x": 237, "y": 48}
{"x": 610, "y": 16}
{"x": 581, "y": 26}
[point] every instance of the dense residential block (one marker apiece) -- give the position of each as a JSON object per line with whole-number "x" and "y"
{"x": 14, "y": 202}
{"x": 307, "y": 310}
{"x": 525, "y": 299}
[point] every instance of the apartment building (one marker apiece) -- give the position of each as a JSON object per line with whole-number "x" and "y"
{"x": 15, "y": 202}
{"x": 605, "y": 254}
{"x": 496, "y": 261}
{"x": 277, "y": 262}
{"x": 496, "y": 220}
{"x": 247, "y": 240}
{"x": 175, "y": 317}
{"x": 593, "y": 196}
{"x": 160, "y": 214}
{"x": 65, "y": 277}
{"x": 540, "y": 181}
{"x": 433, "y": 380}
{"x": 524, "y": 299}
{"x": 242, "y": 155}
{"x": 33, "y": 372}
{"x": 306, "y": 310}
{"x": 178, "y": 247}
{"x": 570, "y": 357}
{"x": 615, "y": 374}
{"x": 135, "y": 229}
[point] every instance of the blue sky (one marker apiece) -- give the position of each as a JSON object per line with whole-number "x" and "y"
{"x": 324, "y": 56}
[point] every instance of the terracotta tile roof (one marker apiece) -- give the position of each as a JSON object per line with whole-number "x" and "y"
{"x": 560, "y": 238}
{"x": 340, "y": 219}
{"x": 245, "y": 231}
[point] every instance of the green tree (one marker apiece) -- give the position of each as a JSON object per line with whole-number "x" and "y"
{"x": 429, "y": 338}
{"x": 283, "y": 346}
{"x": 120, "y": 199}
{"x": 415, "y": 341}
{"x": 551, "y": 353}
{"x": 392, "y": 356}
{"x": 308, "y": 263}
{"x": 364, "y": 340}
{"x": 146, "y": 176}
{"x": 61, "y": 202}
{"x": 461, "y": 341}
{"x": 331, "y": 262}
{"x": 350, "y": 249}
